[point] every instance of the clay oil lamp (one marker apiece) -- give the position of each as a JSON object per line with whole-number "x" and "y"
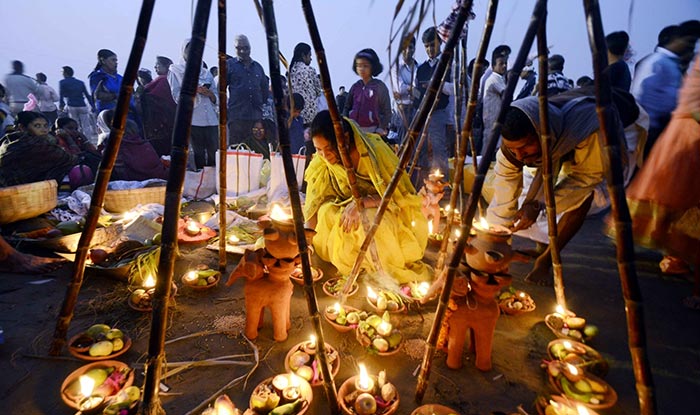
{"x": 573, "y": 373}
{"x": 310, "y": 346}
{"x": 366, "y": 395}
{"x": 292, "y": 392}
{"x": 281, "y": 219}
{"x": 192, "y": 228}
{"x": 332, "y": 312}
{"x": 436, "y": 176}
{"x": 560, "y": 405}
{"x": 89, "y": 404}
{"x": 191, "y": 277}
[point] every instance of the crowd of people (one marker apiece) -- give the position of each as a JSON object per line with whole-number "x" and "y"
{"x": 71, "y": 127}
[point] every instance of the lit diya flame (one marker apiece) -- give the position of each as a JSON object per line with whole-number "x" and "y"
{"x": 88, "y": 402}
{"x": 312, "y": 342}
{"x": 371, "y": 295}
{"x": 193, "y": 228}
{"x": 224, "y": 406}
{"x": 233, "y": 239}
{"x": 436, "y": 175}
{"x": 413, "y": 223}
{"x": 364, "y": 383}
{"x": 384, "y": 328}
{"x": 191, "y": 276}
{"x": 582, "y": 410}
{"x": 423, "y": 288}
{"x": 430, "y": 227}
{"x": 150, "y": 282}
{"x": 292, "y": 391}
{"x": 278, "y": 214}
{"x": 87, "y": 385}
{"x": 572, "y": 372}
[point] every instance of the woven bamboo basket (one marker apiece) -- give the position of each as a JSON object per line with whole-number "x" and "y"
{"x": 118, "y": 201}
{"x": 27, "y": 200}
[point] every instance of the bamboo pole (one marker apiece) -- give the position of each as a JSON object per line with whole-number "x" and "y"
{"x": 103, "y": 174}
{"x": 546, "y": 142}
{"x": 417, "y": 123}
{"x": 343, "y": 142}
{"x": 223, "y": 139}
{"x": 609, "y": 122}
{"x": 155, "y": 361}
{"x": 468, "y": 214}
{"x": 295, "y": 200}
{"x": 467, "y": 128}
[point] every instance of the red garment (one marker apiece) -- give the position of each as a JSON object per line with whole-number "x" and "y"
{"x": 664, "y": 197}
{"x": 158, "y": 108}
{"x": 137, "y": 160}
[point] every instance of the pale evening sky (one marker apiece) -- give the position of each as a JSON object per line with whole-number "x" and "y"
{"x": 47, "y": 34}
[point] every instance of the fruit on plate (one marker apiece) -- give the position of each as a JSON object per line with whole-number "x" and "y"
{"x": 99, "y": 340}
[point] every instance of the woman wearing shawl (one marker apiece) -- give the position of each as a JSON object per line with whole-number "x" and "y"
{"x": 205, "y": 119}
{"x": 305, "y": 81}
{"x": 576, "y": 153}
{"x": 664, "y": 197}
{"x": 329, "y": 208}
{"x": 158, "y": 109}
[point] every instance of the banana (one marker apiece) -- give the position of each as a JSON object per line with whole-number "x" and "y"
{"x": 569, "y": 391}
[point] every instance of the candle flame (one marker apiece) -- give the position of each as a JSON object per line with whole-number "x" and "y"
{"x": 294, "y": 379}
{"x": 560, "y": 309}
{"x": 150, "y": 282}
{"x": 193, "y": 227}
{"x": 87, "y": 384}
{"x": 364, "y": 377}
{"x": 224, "y": 406}
{"x": 430, "y": 227}
{"x": 458, "y": 233}
{"x": 447, "y": 208}
{"x": 423, "y": 288}
{"x": 582, "y": 410}
{"x": 277, "y": 213}
{"x": 384, "y": 327}
{"x": 191, "y": 276}
{"x": 572, "y": 369}
{"x": 554, "y": 404}
{"x": 312, "y": 341}
{"x": 413, "y": 223}
{"x": 336, "y": 307}
{"x": 129, "y": 216}
{"x": 371, "y": 294}
{"x": 567, "y": 345}
{"x": 233, "y": 239}
{"x": 438, "y": 174}
{"x": 522, "y": 295}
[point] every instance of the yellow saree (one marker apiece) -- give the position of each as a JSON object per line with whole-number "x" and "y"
{"x": 403, "y": 232}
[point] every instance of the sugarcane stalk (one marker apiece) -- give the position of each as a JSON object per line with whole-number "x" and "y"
{"x": 102, "y": 180}
{"x": 467, "y": 128}
{"x": 295, "y": 201}
{"x": 609, "y": 131}
{"x": 223, "y": 140}
{"x": 472, "y": 202}
{"x": 155, "y": 361}
{"x": 546, "y": 143}
{"x": 343, "y": 142}
{"x": 418, "y": 122}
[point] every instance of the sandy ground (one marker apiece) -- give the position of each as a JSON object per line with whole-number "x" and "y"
{"x": 30, "y": 381}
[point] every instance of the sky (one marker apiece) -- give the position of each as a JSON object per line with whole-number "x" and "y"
{"x": 48, "y": 34}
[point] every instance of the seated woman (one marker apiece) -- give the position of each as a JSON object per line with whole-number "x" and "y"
{"x": 137, "y": 160}
{"x": 329, "y": 208}
{"x": 73, "y": 141}
{"x": 31, "y": 154}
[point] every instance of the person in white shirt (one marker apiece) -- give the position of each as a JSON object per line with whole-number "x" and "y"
{"x": 493, "y": 93}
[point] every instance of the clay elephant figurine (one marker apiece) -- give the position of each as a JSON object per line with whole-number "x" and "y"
{"x": 477, "y": 311}
{"x": 267, "y": 271}
{"x": 472, "y": 306}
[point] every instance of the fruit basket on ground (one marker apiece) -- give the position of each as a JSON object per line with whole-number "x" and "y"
{"x": 93, "y": 385}
{"x": 384, "y": 300}
{"x": 99, "y": 342}
{"x": 201, "y": 278}
{"x": 569, "y": 326}
{"x": 378, "y": 335}
{"x": 282, "y": 394}
{"x": 302, "y": 360}
{"x": 578, "y": 354}
{"x": 334, "y": 286}
{"x": 343, "y": 318}
{"x": 365, "y": 395}
{"x": 577, "y": 384}
{"x": 513, "y": 302}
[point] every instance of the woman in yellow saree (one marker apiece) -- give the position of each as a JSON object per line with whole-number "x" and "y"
{"x": 403, "y": 233}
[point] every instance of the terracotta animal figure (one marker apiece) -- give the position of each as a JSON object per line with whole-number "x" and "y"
{"x": 267, "y": 273}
